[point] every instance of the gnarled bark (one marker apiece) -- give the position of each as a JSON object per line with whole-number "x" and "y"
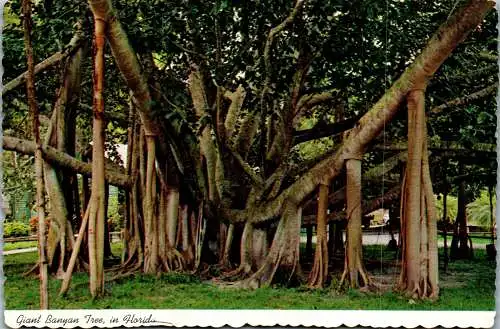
{"x": 97, "y": 211}
{"x": 354, "y": 269}
{"x": 33, "y": 109}
{"x": 282, "y": 261}
{"x": 419, "y": 273}
{"x": 319, "y": 272}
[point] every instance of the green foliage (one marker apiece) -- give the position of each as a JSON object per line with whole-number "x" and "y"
{"x": 451, "y": 207}
{"x": 13, "y": 229}
{"x": 478, "y": 211}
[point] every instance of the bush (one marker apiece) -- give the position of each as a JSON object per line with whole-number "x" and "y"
{"x": 34, "y": 224}
{"x": 115, "y": 222}
{"x": 13, "y": 229}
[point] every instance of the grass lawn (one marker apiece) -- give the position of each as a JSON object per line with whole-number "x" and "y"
{"x": 468, "y": 285}
{"x": 19, "y": 245}
{"x": 475, "y": 240}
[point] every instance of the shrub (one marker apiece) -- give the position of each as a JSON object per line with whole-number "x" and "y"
{"x": 34, "y": 224}
{"x": 13, "y": 229}
{"x": 115, "y": 222}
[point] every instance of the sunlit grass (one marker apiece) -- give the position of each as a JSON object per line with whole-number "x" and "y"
{"x": 467, "y": 285}
{"x": 19, "y": 245}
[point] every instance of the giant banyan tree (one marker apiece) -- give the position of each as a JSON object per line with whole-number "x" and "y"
{"x": 214, "y": 122}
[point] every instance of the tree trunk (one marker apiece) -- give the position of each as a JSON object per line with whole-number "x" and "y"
{"x": 319, "y": 272}
{"x": 259, "y": 247}
{"x": 445, "y": 217}
{"x": 460, "y": 243}
{"x": 96, "y": 216}
{"x": 225, "y": 262}
{"x": 33, "y": 108}
{"x": 419, "y": 274}
{"x": 354, "y": 269}
{"x": 172, "y": 215}
{"x": 282, "y": 261}
{"x": 309, "y": 240}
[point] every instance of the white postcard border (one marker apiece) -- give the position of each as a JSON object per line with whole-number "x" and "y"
{"x": 239, "y": 318}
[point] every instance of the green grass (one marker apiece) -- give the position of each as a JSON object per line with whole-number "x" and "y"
{"x": 468, "y": 285}
{"x": 475, "y": 240}
{"x": 19, "y": 245}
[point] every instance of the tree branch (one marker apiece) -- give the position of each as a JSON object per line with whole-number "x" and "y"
{"x": 323, "y": 130}
{"x": 68, "y": 50}
{"x": 442, "y": 146}
{"x": 437, "y": 50}
{"x": 310, "y": 100}
{"x": 63, "y": 160}
{"x": 246, "y": 167}
{"x": 466, "y": 99}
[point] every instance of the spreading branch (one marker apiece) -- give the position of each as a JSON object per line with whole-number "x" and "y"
{"x": 466, "y": 99}
{"x": 323, "y": 130}
{"x": 126, "y": 60}
{"x": 442, "y": 146}
{"x": 63, "y": 160}
{"x": 308, "y": 101}
{"x": 246, "y": 167}
{"x": 437, "y": 50}
{"x": 68, "y": 50}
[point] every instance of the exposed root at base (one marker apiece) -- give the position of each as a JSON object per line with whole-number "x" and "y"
{"x": 366, "y": 282}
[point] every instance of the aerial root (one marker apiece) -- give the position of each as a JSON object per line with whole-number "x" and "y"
{"x": 366, "y": 284}
{"x": 173, "y": 260}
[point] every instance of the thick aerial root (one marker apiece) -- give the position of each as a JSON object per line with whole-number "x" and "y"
{"x": 319, "y": 273}
{"x": 242, "y": 272}
{"x": 173, "y": 260}
{"x": 366, "y": 282}
{"x": 423, "y": 291}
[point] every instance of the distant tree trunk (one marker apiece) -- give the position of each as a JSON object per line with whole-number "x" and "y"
{"x": 445, "y": 217}
{"x": 33, "y": 108}
{"x": 309, "y": 237}
{"x": 392, "y": 245}
{"x": 337, "y": 236}
{"x": 225, "y": 261}
{"x": 96, "y": 204}
{"x": 319, "y": 272}
{"x": 460, "y": 248}
{"x": 354, "y": 269}
{"x": 491, "y": 248}
{"x": 419, "y": 274}
{"x": 492, "y": 219}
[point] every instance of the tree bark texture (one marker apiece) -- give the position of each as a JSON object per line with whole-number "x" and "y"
{"x": 319, "y": 272}
{"x": 63, "y": 160}
{"x": 97, "y": 212}
{"x": 419, "y": 274}
{"x": 33, "y": 109}
{"x": 354, "y": 269}
{"x": 61, "y": 182}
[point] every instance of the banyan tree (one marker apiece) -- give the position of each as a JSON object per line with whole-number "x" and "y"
{"x": 214, "y": 124}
